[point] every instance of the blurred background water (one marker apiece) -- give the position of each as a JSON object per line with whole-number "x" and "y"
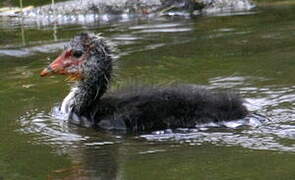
{"x": 248, "y": 52}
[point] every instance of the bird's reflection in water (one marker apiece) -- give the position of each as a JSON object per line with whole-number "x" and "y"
{"x": 93, "y": 154}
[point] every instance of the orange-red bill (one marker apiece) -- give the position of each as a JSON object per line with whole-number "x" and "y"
{"x": 60, "y": 65}
{"x": 56, "y": 67}
{"x": 46, "y": 72}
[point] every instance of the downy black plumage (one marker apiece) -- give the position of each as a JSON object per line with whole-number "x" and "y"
{"x": 89, "y": 59}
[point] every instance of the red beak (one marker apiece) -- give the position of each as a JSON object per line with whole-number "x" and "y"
{"x": 62, "y": 64}
{"x": 57, "y": 66}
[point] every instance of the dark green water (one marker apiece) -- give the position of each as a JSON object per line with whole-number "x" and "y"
{"x": 251, "y": 53}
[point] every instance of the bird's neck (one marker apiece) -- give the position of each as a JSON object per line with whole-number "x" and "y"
{"x": 89, "y": 90}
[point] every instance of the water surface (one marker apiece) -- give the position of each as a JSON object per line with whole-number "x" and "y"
{"x": 250, "y": 53}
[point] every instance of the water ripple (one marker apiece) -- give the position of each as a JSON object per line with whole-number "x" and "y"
{"x": 49, "y": 130}
{"x": 276, "y": 134}
{"x": 29, "y": 51}
{"x": 253, "y": 132}
{"x": 165, "y": 30}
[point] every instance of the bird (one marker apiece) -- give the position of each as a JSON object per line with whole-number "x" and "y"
{"x": 89, "y": 60}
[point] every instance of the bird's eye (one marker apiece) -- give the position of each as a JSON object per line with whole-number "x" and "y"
{"x": 77, "y": 53}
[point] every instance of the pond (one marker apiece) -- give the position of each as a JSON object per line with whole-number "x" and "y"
{"x": 251, "y": 53}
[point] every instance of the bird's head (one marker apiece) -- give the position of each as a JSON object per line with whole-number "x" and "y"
{"x": 84, "y": 54}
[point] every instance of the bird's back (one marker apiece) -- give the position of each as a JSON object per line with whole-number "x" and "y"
{"x": 154, "y": 108}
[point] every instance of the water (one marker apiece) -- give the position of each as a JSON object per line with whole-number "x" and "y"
{"x": 251, "y": 53}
